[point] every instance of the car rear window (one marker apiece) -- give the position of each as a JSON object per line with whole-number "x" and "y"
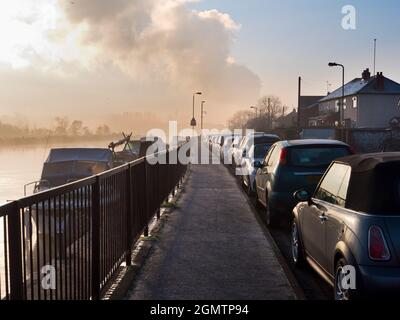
{"x": 260, "y": 150}
{"x": 387, "y": 189}
{"x": 316, "y": 156}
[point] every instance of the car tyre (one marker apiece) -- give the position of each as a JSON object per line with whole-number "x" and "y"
{"x": 298, "y": 256}
{"x": 249, "y": 191}
{"x": 258, "y": 203}
{"x": 339, "y": 291}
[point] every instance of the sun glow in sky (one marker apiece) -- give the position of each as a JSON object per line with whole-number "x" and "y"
{"x": 92, "y": 57}
{"x": 22, "y": 34}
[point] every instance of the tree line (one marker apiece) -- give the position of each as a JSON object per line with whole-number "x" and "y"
{"x": 62, "y": 127}
{"x": 269, "y": 108}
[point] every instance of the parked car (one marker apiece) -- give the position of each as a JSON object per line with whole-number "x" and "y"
{"x": 236, "y": 147}
{"x": 353, "y": 219}
{"x": 290, "y": 166}
{"x": 252, "y": 161}
{"x": 391, "y": 145}
{"x": 235, "y": 144}
{"x": 246, "y": 143}
{"x": 224, "y": 151}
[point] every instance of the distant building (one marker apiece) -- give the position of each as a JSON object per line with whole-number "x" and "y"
{"x": 370, "y": 102}
{"x": 287, "y": 121}
{"x": 308, "y": 109}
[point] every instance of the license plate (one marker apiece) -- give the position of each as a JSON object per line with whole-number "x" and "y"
{"x": 313, "y": 179}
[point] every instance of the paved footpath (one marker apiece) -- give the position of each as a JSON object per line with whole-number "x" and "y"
{"x": 212, "y": 248}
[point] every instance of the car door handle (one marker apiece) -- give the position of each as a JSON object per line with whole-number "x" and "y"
{"x": 323, "y": 218}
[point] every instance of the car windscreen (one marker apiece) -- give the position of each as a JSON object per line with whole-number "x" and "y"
{"x": 133, "y": 146}
{"x": 260, "y": 150}
{"x": 316, "y": 156}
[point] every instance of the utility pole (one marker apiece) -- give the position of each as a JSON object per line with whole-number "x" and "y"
{"x": 375, "y": 57}
{"x": 299, "y": 107}
{"x": 269, "y": 114}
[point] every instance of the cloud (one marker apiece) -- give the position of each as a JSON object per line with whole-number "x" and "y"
{"x": 160, "y": 49}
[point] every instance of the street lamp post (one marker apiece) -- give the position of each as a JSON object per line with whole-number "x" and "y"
{"x": 193, "y": 122}
{"x": 202, "y": 114}
{"x": 341, "y": 105}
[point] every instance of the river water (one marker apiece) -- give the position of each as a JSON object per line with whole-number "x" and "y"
{"x": 20, "y": 165}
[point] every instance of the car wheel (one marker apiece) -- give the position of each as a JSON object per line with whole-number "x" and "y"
{"x": 258, "y": 203}
{"x": 342, "y": 293}
{"x": 249, "y": 191}
{"x": 271, "y": 218}
{"x": 297, "y": 248}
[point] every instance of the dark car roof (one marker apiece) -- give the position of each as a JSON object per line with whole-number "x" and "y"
{"x": 308, "y": 142}
{"x": 368, "y": 162}
{"x": 266, "y": 139}
{"x": 372, "y": 186}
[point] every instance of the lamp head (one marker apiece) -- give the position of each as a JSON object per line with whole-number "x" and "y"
{"x": 332, "y": 64}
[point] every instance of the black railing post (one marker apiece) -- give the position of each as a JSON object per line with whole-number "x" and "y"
{"x": 96, "y": 240}
{"x": 159, "y": 190}
{"x": 146, "y": 204}
{"x": 15, "y": 253}
{"x": 129, "y": 211}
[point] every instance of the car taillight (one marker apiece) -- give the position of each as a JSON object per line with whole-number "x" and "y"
{"x": 283, "y": 157}
{"x": 377, "y": 246}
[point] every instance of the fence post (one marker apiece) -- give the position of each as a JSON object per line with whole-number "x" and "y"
{"x": 96, "y": 240}
{"x": 146, "y": 229}
{"x": 15, "y": 253}
{"x": 129, "y": 210}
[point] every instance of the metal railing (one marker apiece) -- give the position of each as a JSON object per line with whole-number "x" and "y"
{"x": 67, "y": 242}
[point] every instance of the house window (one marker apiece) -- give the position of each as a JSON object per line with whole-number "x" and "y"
{"x": 355, "y": 102}
{"x": 337, "y": 106}
{"x": 344, "y": 104}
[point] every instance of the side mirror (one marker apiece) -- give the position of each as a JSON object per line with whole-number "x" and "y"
{"x": 302, "y": 196}
{"x": 257, "y": 164}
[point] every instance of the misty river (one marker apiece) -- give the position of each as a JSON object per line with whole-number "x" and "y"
{"x": 21, "y": 165}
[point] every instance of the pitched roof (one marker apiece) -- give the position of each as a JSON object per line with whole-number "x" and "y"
{"x": 359, "y": 86}
{"x": 306, "y": 101}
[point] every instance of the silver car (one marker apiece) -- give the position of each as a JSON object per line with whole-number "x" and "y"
{"x": 349, "y": 229}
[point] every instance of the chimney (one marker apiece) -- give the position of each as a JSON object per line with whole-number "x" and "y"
{"x": 366, "y": 75}
{"x": 380, "y": 82}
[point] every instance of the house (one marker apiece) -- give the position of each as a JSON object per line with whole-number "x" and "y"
{"x": 308, "y": 109}
{"x": 369, "y": 102}
{"x": 286, "y": 121}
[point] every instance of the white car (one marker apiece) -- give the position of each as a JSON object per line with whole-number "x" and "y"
{"x": 251, "y": 163}
{"x": 246, "y": 143}
{"x": 235, "y": 144}
{"x": 225, "y": 148}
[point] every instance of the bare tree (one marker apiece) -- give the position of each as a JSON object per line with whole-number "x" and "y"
{"x": 271, "y": 108}
{"x": 239, "y": 120}
{"x": 61, "y": 126}
{"x": 103, "y": 130}
{"x": 75, "y": 129}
